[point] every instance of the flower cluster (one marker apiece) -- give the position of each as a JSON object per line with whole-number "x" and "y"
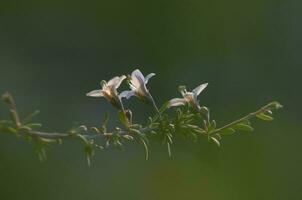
{"x": 138, "y": 88}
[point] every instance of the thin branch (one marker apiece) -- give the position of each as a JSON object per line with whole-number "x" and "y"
{"x": 272, "y": 105}
{"x": 49, "y": 135}
{"x": 164, "y": 125}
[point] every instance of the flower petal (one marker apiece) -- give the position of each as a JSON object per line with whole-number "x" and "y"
{"x": 123, "y": 77}
{"x": 95, "y": 93}
{"x": 176, "y": 102}
{"x": 137, "y": 78}
{"x": 199, "y": 89}
{"x": 116, "y": 81}
{"x": 113, "y": 81}
{"x": 132, "y": 87}
{"x": 127, "y": 94}
{"x": 148, "y": 77}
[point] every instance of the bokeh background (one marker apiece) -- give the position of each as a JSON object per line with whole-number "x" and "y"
{"x": 53, "y": 52}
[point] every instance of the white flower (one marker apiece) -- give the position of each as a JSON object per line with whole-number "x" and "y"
{"x": 188, "y": 97}
{"x": 109, "y": 91}
{"x": 138, "y": 87}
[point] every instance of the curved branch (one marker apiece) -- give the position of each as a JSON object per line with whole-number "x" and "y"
{"x": 266, "y": 108}
{"x": 187, "y": 123}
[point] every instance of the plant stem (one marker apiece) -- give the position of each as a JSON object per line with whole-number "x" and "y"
{"x": 55, "y": 135}
{"x": 49, "y": 135}
{"x": 272, "y": 105}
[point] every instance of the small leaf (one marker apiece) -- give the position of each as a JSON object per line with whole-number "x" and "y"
{"x": 200, "y": 131}
{"x": 40, "y": 150}
{"x": 34, "y": 125}
{"x": 146, "y": 149}
{"x": 164, "y": 107}
{"x": 42, "y": 154}
{"x": 135, "y": 131}
{"x": 153, "y": 132}
{"x": 128, "y": 137}
{"x": 9, "y": 130}
{"x": 136, "y": 126}
{"x": 211, "y": 126}
{"x": 123, "y": 118}
{"x": 228, "y": 131}
{"x": 30, "y": 116}
{"x": 264, "y": 117}
{"x": 169, "y": 149}
{"x": 218, "y": 136}
{"x": 89, "y": 153}
{"x": 169, "y": 137}
{"x": 95, "y": 129}
{"x": 25, "y": 128}
{"x": 49, "y": 141}
{"x": 247, "y": 122}
{"x": 215, "y": 141}
{"x": 82, "y": 128}
{"x": 243, "y": 127}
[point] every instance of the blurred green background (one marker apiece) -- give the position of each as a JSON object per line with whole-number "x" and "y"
{"x": 53, "y": 52}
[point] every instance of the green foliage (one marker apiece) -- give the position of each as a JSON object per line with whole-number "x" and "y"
{"x": 187, "y": 122}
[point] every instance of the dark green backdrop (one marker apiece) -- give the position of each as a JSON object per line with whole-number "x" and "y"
{"x": 53, "y": 52}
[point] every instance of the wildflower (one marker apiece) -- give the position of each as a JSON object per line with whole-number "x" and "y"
{"x": 109, "y": 91}
{"x": 138, "y": 88}
{"x": 188, "y": 97}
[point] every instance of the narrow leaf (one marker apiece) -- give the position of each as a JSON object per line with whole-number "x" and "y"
{"x": 215, "y": 141}
{"x": 146, "y": 149}
{"x": 228, "y": 131}
{"x": 123, "y": 118}
{"x": 34, "y": 125}
{"x": 264, "y": 117}
{"x": 30, "y": 116}
{"x": 243, "y": 127}
{"x": 169, "y": 149}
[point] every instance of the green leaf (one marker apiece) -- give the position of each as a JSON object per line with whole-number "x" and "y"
{"x": 161, "y": 110}
{"x": 212, "y": 126}
{"x": 135, "y": 131}
{"x": 264, "y": 117}
{"x": 95, "y": 129}
{"x": 128, "y": 137}
{"x": 30, "y": 116}
{"x": 123, "y": 118}
{"x": 163, "y": 107}
{"x": 169, "y": 149}
{"x": 9, "y": 130}
{"x": 40, "y": 150}
{"x": 34, "y": 125}
{"x": 25, "y": 128}
{"x": 41, "y": 154}
{"x": 228, "y": 131}
{"x": 49, "y": 141}
{"x": 215, "y": 141}
{"x": 146, "y": 148}
{"x": 243, "y": 127}
{"x": 89, "y": 153}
